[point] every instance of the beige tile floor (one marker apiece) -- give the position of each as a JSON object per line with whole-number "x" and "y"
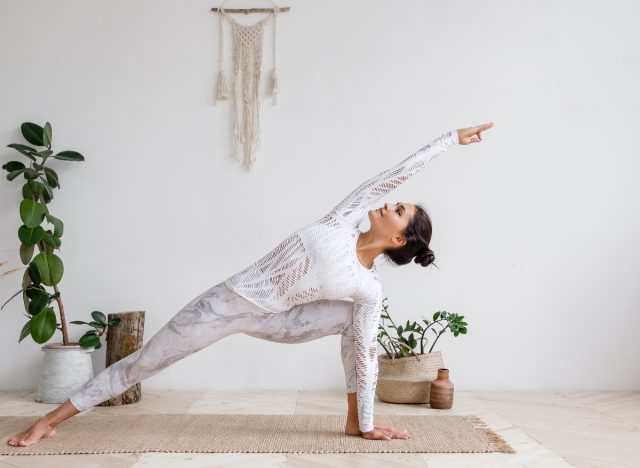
{"x": 546, "y": 429}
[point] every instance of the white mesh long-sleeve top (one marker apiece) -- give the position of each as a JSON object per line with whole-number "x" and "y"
{"x": 319, "y": 261}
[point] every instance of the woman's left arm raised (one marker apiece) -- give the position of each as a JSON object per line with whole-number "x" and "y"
{"x": 353, "y": 207}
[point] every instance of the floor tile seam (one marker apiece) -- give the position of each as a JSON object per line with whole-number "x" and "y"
{"x": 636, "y": 425}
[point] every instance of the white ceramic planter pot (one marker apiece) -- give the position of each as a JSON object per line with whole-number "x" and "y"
{"x": 65, "y": 370}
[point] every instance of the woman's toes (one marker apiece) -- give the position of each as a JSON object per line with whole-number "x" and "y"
{"x": 15, "y": 439}
{"x": 31, "y": 436}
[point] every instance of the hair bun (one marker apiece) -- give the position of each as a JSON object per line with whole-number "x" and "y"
{"x": 425, "y": 257}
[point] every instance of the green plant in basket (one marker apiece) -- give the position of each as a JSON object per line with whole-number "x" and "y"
{"x": 407, "y": 337}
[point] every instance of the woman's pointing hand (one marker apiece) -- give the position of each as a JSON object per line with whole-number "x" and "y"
{"x": 472, "y": 134}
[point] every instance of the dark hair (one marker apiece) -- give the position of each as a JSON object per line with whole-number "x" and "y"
{"x": 418, "y": 235}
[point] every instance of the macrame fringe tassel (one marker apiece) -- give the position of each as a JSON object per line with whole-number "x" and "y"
{"x": 240, "y": 145}
{"x": 222, "y": 94}
{"x": 274, "y": 86}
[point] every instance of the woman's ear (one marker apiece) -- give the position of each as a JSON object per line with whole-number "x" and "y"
{"x": 398, "y": 241}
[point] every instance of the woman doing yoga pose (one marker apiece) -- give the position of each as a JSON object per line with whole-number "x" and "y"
{"x": 296, "y": 293}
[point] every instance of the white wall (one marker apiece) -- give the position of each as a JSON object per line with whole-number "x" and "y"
{"x": 536, "y": 228}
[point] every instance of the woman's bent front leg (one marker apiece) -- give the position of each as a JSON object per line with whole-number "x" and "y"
{"x": 306, "y": 322}
{"x": 311, "y": 321}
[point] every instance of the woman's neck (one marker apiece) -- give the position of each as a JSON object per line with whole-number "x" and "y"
{"x": 368, "y": 248}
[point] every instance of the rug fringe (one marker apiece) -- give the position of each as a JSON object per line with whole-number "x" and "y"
{"x": 497, "y": 443}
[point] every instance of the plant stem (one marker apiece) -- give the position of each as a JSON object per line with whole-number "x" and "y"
{"x": 422, "y": 338}
{"x": 439, "y": 335}
{"x": 392, "y": 341}
{"x": 425, "y": 331}
{"x": 384, "y": 347}
{"x": 63, "y": 322}
{"x": 401, "y": 344}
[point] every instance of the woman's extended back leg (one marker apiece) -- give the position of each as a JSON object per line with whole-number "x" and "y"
{"x": 214, "y": 314}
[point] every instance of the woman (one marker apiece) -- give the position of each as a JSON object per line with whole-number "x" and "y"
{"x": 295, "y": 294}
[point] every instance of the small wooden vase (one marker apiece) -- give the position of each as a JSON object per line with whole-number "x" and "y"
{"x": 441, "y": 395}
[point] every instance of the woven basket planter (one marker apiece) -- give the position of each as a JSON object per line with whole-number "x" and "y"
{"x": 407, "y": 379}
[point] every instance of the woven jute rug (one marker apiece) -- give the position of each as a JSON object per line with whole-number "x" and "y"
{"x": 245, "y": 433}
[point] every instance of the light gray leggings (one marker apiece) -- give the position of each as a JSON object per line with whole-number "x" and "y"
{"x": 214, "y": 314}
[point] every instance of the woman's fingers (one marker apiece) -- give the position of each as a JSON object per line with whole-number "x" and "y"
{"x": 473, "y": 134}
{"x": 473, "y": 139}
{"x": 483, "y": 127}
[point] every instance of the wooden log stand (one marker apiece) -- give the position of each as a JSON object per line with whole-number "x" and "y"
{"x": 122, "y": 340}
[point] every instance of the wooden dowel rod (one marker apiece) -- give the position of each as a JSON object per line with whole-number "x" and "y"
{"x": 253, "y": 10}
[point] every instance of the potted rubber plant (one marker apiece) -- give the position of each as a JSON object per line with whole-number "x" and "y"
{"x": 407, "y": 367}
{"x": 67, "y": 365}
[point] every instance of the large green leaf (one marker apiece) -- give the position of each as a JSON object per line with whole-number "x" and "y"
{"x": 13, "y": 174}
{"x": 35, "y": 187}
{"x": 50, "y": 267}
{"x": 51, "y": 241}
{"x": 30, "y": 236}
{"x": 26, "y": 253}
{"x": 25, "y": 300}
{"x": 69, "y": 156}
{"x": 46, "y": 134}
{"x": 99, "y": 317}
{"x": 46, "y": 196}
{"x": 26, "y": 279}
{"x": 58, "y": 225}
{"x": 90, "y": 340}
{"x": 43, "y": 325}
{"x": 52, "y": 177}
{"x": 28, "y": 151}
{"x": 34, "y": 291}
{"x": 47, "y": 190}
{"x": 13, "y": 166}
{"x": 39, "y": 302}
{"x": 26, "y": 330}
{"x": 31, "y": 213}
{"x": 32, "y": 133}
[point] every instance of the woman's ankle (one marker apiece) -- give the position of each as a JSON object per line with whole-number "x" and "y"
{"x": 61, "y": 413}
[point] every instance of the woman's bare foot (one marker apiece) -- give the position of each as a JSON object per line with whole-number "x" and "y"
{"x": 41, "y": 429}
{"x": 395, "y": 433}
{"x": 45, "y": 426}
{"x": 381, "y": 430}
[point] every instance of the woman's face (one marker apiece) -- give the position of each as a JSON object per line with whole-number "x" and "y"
{"x": 391, "y": 220}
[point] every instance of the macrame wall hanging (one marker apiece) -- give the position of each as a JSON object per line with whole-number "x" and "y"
{"x": 247, "y": 71}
